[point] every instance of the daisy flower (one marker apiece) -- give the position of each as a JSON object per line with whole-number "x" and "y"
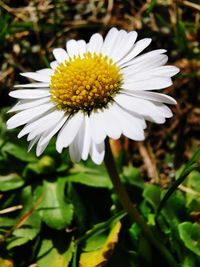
{"x": 92, "y": 91}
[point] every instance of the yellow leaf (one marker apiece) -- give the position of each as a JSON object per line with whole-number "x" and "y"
{"x": 6, "y": 263}
{"x": 99, "y": 258}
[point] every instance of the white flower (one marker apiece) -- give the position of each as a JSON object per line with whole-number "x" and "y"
{"x": 94, "y": 90}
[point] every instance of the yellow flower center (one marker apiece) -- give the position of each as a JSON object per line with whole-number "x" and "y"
{"x": 85, "y": 83}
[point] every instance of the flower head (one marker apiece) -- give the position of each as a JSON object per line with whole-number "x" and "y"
{"x": 94, "y": 90}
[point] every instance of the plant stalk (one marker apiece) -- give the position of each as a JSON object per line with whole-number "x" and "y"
{"x": 130, "y": 207}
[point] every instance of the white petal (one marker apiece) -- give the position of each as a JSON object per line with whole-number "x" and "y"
{"x": 110, "y": 123}
{"x": 140, "y": 106}
{"x": 72, "y": 48}
{"x": 49, "y": 121}
{"x": 40, "y": 149}
{"x": 29, "y": 93}
{"x": 48, "y": 135}
{"x": 155, "y": 118}
{"x": 125, "y": 47}
{"x": 46, "y": 71}
{"x": 163, "y": 109}
{"x": 144, "y": 74}
{"x": 32, "y": 85}
{"x": 152, "y": 96}
{"x": 167, "y": 71}
{"x": 25, "y": 104}
{"x": 109, "y": 41}
{"x": 54, "y": 65}
{"x": 154, "y": 83}
{"x": 41, "y": 125}
{"x": 137, "y": 49}
{"x": 146, "y": 58}
{"x": 135, "y": 71}
{"x": 69, "y": 131}
{"x": 32, "y": 143}
{"x": 74, "y": 152}
{"x": 81, "y": 47}
{"x": 81, "y": 145}
{"x": 137, "y": 105}
{"x": 120, "y": 41}
{"x": 95, "y": 43}
{"x": 60, "y": 55}
{"x": 27, "y": 115}
{"x": 97, "y": 127}
{"x": 40, "y": 77}
{"x": 136, "y": 119}
{"x": 45, "y": 137}
{"x": 97, "y": 152}
{"x": 86, "y": 139}
{"x": 132, "y": 127}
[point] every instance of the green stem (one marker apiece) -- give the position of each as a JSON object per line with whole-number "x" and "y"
{"x": 131, "y": 209}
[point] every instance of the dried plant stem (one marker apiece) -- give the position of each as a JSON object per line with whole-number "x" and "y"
{"x": 11, "y": 209}
{"x": 131, "y": 209}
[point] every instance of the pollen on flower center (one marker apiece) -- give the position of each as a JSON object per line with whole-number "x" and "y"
{"x": 85, "y": 83}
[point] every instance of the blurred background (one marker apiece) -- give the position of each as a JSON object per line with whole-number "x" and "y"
{"x": 29, "y": 31}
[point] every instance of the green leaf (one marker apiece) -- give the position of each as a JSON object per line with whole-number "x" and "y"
{"x": 18, "y": 152}
{"x": 31, "y": 169}
{"x": 193, "y": 200}
{"x": 31, "y": 222}
{"x": 190, "y": 261}
{"x": 189, "y": 167}
{"x": 99, "y": 257}
{"x": 95, "y": 242}
{"x": 55, "y": 253}
{"x": 55, "y": 210}
{"x": 131, "y": 175}
{"x": 7, "y": 222}
{"x": 89, "y": 179}
{"x": 134, "y": 233}
{"x": 95, "y": 177}
{"x": 10, "y": 182}
{"x": 80, "y": 212}
{"x": 23, "y": 235}
{"x": 140, "y": 244}
{"x": 190, "y": 235}
{"x": 44, "y": 165}
{"x": 174, "y": 215}
{"x": 102, "y": 227}
{"x": 151, "y": 194}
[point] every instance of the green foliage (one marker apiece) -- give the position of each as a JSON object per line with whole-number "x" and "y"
{"x": 151, "y": 194}
{"x": 90, "y": 176}
{"x": 190, "y": 261}
{"x": 10, "y": 182}
{"x": 190, "y": 235}
{"x": 188, "y": 168}
{"x": 99, "y": 247}
{"x": 131, "y": 175}
{"x": 18, "y": 152}
{"x": 55, "y": 253}
{"x": 54, "y": 209}
{"x": 31, "y": 223}
{"x": 57, "y": 197}
{"x": 193, "y": 200}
